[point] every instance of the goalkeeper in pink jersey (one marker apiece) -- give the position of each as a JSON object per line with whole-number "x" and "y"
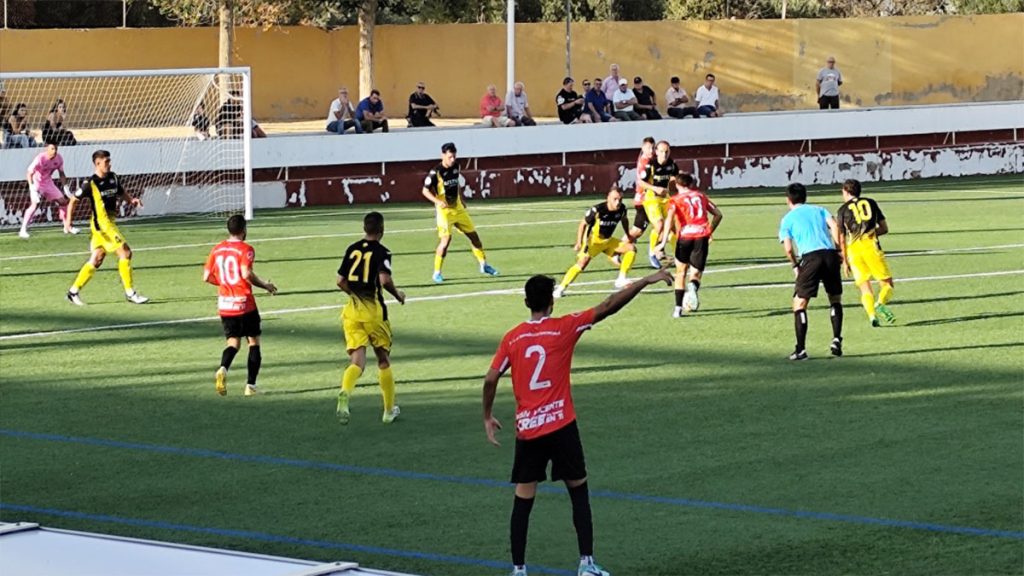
{"x": 41, "y": 188}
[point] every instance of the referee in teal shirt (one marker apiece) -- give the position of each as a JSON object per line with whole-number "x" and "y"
{"x": 810, "y": 233}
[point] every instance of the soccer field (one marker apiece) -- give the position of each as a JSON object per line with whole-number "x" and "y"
{"x": 708, "y": 451}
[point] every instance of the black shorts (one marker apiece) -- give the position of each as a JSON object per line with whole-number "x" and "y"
{"x": 640, "y": 220}
{"x": 822, "y": 266}
{"x": 243, "y": 326}
{"x": 692, "y": 251}
{"x": 561, "y": 447}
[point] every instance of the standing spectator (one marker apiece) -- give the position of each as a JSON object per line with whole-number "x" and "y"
{"x": 707, "y": 98}
{"x": 200, "y": 123}
{"x": 342, "y": 115}
{"x": 828, "y": 83}
{"x": 623, "y": 102}
{"x": 53, "y": 127}
{"x": 570, "y": 104}
{"x": 596, "y": 103}
{"x": 610, "y": 85}
{"x": 421, "y": 107}
{"x": 646, "y": 101}
{"x": 371, "y": 113}
{"x": 677, "y": 100}
{"x": 492, "y": 110}
{"x": 16, "y": 131}
{"x": 518, "y": 107}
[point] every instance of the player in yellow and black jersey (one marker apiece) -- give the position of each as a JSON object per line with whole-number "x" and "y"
{"x": 102, "y": 190}
{"x": 595, "y": 235}
{"x": 443, "y": 186}
{"x": 655, "y": 183}
{"x": 365, "y": 274}
{"x": 861, "y": 222}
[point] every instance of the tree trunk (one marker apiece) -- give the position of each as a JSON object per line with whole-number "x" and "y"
{"x": 227, "y": 33}
{"x": 367, "y": 20}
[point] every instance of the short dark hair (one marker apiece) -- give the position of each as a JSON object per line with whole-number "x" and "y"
{"x": 686, "y": 180}
{"x": 539, "y": 293}
{"x": 674, "y": 80}
{"x": 567, "y": 80}
{"x": 236, "y": 224}
{"x": 649, "y": 140}
{"x": 448, "y": 147}
{"x": 712, "y": 76}
{"x": 373, "y": 223}
{"x": 374, "y": 91}
{"x": 797, "y": 193}
{"x": 100, "y": 154}
{"x": 853, "y": 187}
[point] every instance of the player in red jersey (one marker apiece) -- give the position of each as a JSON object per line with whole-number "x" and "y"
{"x": 229, "y": 267}
{"x": 688, "y": 214}
{"x": 539, "y": 352}
{"x": 640, "y": 220}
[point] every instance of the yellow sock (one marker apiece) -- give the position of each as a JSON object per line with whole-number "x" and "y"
{"x": 672, "y": 238}
{"x": 480, "y": 256}
{"x": 570, "y": 275}
{"x": 653, "y": 239}
{"x": 124, "y": 268}
{"x": 348, "y": 379}
{"x": 627, "y": 262}
{"x": 84, "y": 275}
{"x": 885, "y": 294}
{"x": 868, "y": 302}
{"x": 438, "y": 261}
{"x": 387, "y": 388}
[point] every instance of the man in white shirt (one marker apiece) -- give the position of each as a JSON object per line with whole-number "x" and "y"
{"x": 342, "y": 115}
{"x": 678, "y": 101}
{"x": 828, "y": 83}
{"x": 610, "y": 85}
{"x": 623, "y": 101}
{"x": 517, "y": 107}
{"x": 707, "y": 98}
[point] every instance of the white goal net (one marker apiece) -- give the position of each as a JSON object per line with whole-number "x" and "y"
{"x": 179, "y": 139}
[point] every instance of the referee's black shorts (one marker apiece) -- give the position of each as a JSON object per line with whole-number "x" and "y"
{"x": 244, "y": 326}
{"x": 820, "y": 266}
{"x": 562, "y": 448}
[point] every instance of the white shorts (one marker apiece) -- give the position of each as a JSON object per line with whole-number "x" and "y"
{"x": 503, "y": 121}
{"x": 45, "y": 190}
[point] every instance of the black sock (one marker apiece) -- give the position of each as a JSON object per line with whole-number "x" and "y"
{"x": 837, "y": 320}
{"x": 520, "y": 526}
{"x": 582, "y": 519}
{"x": 800, "y": 319}
{"x": 679, "y": 297}
{"x": 696, "y": 284}
{"x": 227, "y": 357}
{"x": 255, "y": 359}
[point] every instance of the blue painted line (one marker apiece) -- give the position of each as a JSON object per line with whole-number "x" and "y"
{"x": 546, "y": 488}
{"x": 277, "y": 539}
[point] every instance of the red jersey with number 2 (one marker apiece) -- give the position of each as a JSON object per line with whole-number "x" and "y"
{"x": 234, "y": 293}
{"x": 692, "y": 209}
{"x": 540, "y": 356}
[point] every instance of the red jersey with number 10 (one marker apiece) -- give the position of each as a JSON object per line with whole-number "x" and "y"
{"x": 225, "y": 266}
{"x": 692, "y": 207}
{"x": 540, "y": 355}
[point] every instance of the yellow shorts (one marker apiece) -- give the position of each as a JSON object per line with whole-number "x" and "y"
{"x": 109, "y": 238}
{"x": 598, "y": 245}
{"x": 359, "y": 334}
{"x": 867, "y": 261}
{"x": 457, "y": 218}
{"x": 656, "y": 208}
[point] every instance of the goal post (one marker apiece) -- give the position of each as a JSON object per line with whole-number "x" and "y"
{"x": 179, "y": 138}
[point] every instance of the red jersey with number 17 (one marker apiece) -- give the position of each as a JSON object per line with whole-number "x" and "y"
{"x": 540, "y": 355}
{"x": 692, "y": 207}
{"x": 234, "y": 293}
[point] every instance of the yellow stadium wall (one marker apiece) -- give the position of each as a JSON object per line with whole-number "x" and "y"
{"x": 760, "y": 64}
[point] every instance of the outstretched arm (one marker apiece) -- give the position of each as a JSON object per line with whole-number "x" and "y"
{"x": 616, "y": 301}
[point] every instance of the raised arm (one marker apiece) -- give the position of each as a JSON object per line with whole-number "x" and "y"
{"x": 616, "y": 301}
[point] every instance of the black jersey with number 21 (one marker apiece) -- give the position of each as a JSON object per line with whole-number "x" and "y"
{"x": 362, "y": 265}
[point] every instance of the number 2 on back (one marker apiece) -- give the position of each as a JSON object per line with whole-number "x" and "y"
{"x": 356, "y": 258}
{"x": 542, "y": 355}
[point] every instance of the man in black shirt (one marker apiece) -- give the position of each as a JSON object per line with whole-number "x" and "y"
{"x": 421, "y": 107}
{"x": 646, "y": 101}
{"x": 570, "y": 104}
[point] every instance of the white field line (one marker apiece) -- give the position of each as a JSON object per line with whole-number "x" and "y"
{"x": 512, "y": 291}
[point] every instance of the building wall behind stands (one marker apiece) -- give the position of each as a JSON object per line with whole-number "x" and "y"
{"x": 760, "y": 64}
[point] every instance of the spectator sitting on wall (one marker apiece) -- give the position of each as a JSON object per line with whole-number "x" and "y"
{"x": 421, "y": 107}
{"x": 492, "y": 110}
{"x": 707, "y": 98}
{"x": 677, "y": 101}
{"x": 517, "y": 106}
{"x": 623, "y": 102}
{"x": 200, "y": 123}
{"x": 229, "y": 120}
{"x": 257, "y": 131}
{"x": 16, "y": 131}
{"x": 371, "y": 112}
{"x": 596, "y": 103}
{"x": 570, "y": 104}
{"x": 342, "y": 115}
{"x": 53, "y": 127}
{"x": 828, "y": 83}
{"x": 646, "y": 101}
{"x": 610, "y": 85}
